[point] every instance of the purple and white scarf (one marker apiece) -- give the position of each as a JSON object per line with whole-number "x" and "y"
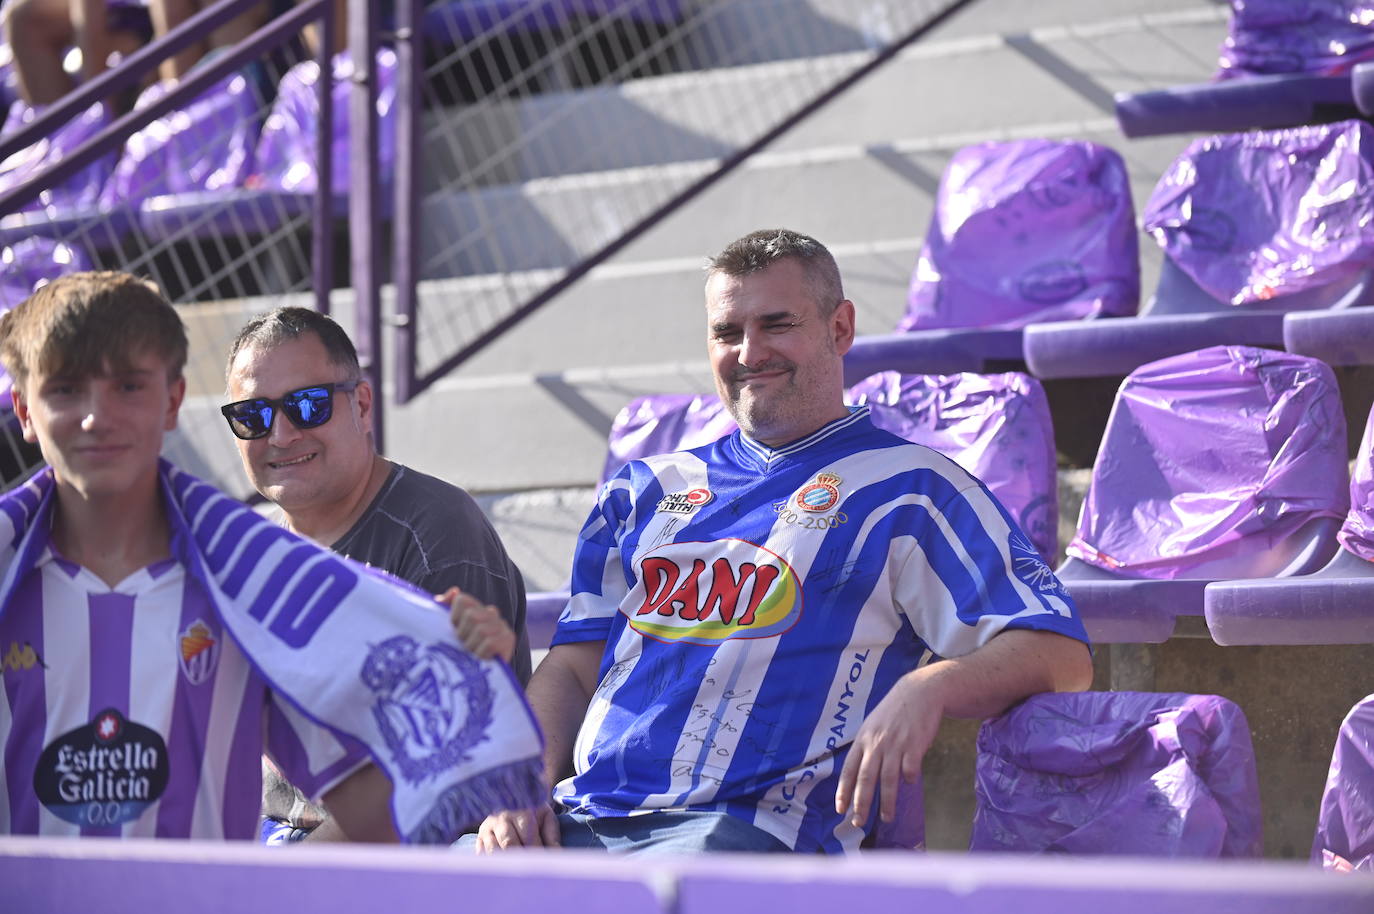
{"x": 358, "y": 652}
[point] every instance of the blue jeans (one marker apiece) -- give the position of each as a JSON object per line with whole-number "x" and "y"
{"x": 678, "y": 832}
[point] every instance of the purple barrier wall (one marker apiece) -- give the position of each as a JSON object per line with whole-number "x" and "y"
{"x": 1027, "y": 231}
{"x": 138, "y": 877}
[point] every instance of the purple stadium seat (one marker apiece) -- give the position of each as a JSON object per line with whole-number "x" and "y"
{"x": 1284, "y": 63}
{"x": 1252, "y": 226}
{"x": 1023, "y": 231}
{"x": 287, "y": 149}
{"x": 206, "y": 146}
{"x": 662, "y": 423}
{"x": 1221, "y": 464}
{"x": 1134, "y": 773}
{"x": 995, "y": 426}
{"x": 62, "y": 210}
{"x": 1332, "y": 606}
{"x": 282, "y": 184}
{"x": 1344, "y": 841}
{"x": 1362, "y": 85}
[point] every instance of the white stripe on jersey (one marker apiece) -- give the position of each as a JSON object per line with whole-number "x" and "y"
{"x": 232, "y": 681}
{"x": 153, "y": 646}
{"x": 67, "y": 687}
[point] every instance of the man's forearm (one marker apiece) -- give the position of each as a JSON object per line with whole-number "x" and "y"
{"x": 1015, "y": 664}
{"x": 559, "y": 692}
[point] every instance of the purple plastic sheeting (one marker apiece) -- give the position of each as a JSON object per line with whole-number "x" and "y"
{"x": 286, "y": 150}
{"x": 1258, "y": 215}
{"x": 1287, "y": 36}
{"x": 469, "y": 19}
{"x": 1027, "y": 231}
{"x": 1211, "y": 455}
{"x": 662, "y": 423}
{"x": 1357, "y": 533}
{"x": 206, "y": 146}
{"x": 82, "y": 190}
{"x": 1135, "y": 773}
{"x": 1344, "y": 841}
{"x": 995, "y": 426}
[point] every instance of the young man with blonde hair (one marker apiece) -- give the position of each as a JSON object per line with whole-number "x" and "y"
{"x": 163, "y": 635}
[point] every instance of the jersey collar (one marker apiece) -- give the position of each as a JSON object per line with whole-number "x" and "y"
{"x": 768, "y": 456}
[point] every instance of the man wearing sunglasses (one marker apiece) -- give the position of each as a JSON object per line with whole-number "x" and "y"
{"x": 301, "y": 413}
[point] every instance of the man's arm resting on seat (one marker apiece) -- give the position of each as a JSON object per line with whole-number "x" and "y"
{"x": 559, "y": 692}
{"x": 894, "y": 738}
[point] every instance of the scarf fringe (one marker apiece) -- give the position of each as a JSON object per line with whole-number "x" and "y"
{"x": 461, "y": 808}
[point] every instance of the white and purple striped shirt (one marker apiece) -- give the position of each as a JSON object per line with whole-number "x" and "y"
{"x": 129, "y": 712}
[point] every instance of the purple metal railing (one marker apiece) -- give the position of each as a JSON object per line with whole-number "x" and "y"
{"x": 363, "y": 210}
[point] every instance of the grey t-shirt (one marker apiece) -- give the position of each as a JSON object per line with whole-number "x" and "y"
{"x": 432, "y": 534}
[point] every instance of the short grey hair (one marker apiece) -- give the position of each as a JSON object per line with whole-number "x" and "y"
{"x": 288, "y": 323}
{"x": 759, "y": 250}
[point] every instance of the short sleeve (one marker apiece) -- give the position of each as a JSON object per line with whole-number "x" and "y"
{"x": 599, "y": 581}
{"x": 310, "y": 756}
{"x": 971, "y": 572}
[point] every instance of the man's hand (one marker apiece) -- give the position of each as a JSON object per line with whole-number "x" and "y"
{"x": 524, "y": 828}
{"x": 479, "y": 627}
{"x": 890, "y": 745}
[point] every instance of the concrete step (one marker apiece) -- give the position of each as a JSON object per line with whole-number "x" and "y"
{"x": 844, "y": 194}
{"x": 1002, "y": 77}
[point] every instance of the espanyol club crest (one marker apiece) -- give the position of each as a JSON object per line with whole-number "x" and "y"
{"x": 433, "y": 704}
{"x": 821, "y": 495}
{"x": 198, "y": 652}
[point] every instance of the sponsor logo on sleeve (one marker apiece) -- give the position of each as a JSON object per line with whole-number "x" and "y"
{"x": 706, "y": 593}
{"x": 1031, "y": 568}
{"x": 106, "y": 772}
{"x": 685, "y": 502}
{"x": 433, "y": 704}
{"x": 198, "y": 652}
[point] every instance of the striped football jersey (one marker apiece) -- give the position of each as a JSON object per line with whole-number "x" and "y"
{"x": 129, "y": 712}
{"x": 757, "y": 603}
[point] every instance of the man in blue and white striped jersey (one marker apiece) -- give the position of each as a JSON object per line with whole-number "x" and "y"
{"x": 741, "y": 663}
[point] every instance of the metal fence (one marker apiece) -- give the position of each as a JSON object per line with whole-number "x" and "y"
{"x": 205, "y": 187}
{"x": 555, "y": 134}
{"x": 540, "y": 137}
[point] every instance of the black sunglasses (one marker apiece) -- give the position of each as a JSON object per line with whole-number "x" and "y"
{"x": 309, "y": 407}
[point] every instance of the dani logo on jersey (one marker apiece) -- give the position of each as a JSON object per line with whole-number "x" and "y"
{"x": 706, "y": 593}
